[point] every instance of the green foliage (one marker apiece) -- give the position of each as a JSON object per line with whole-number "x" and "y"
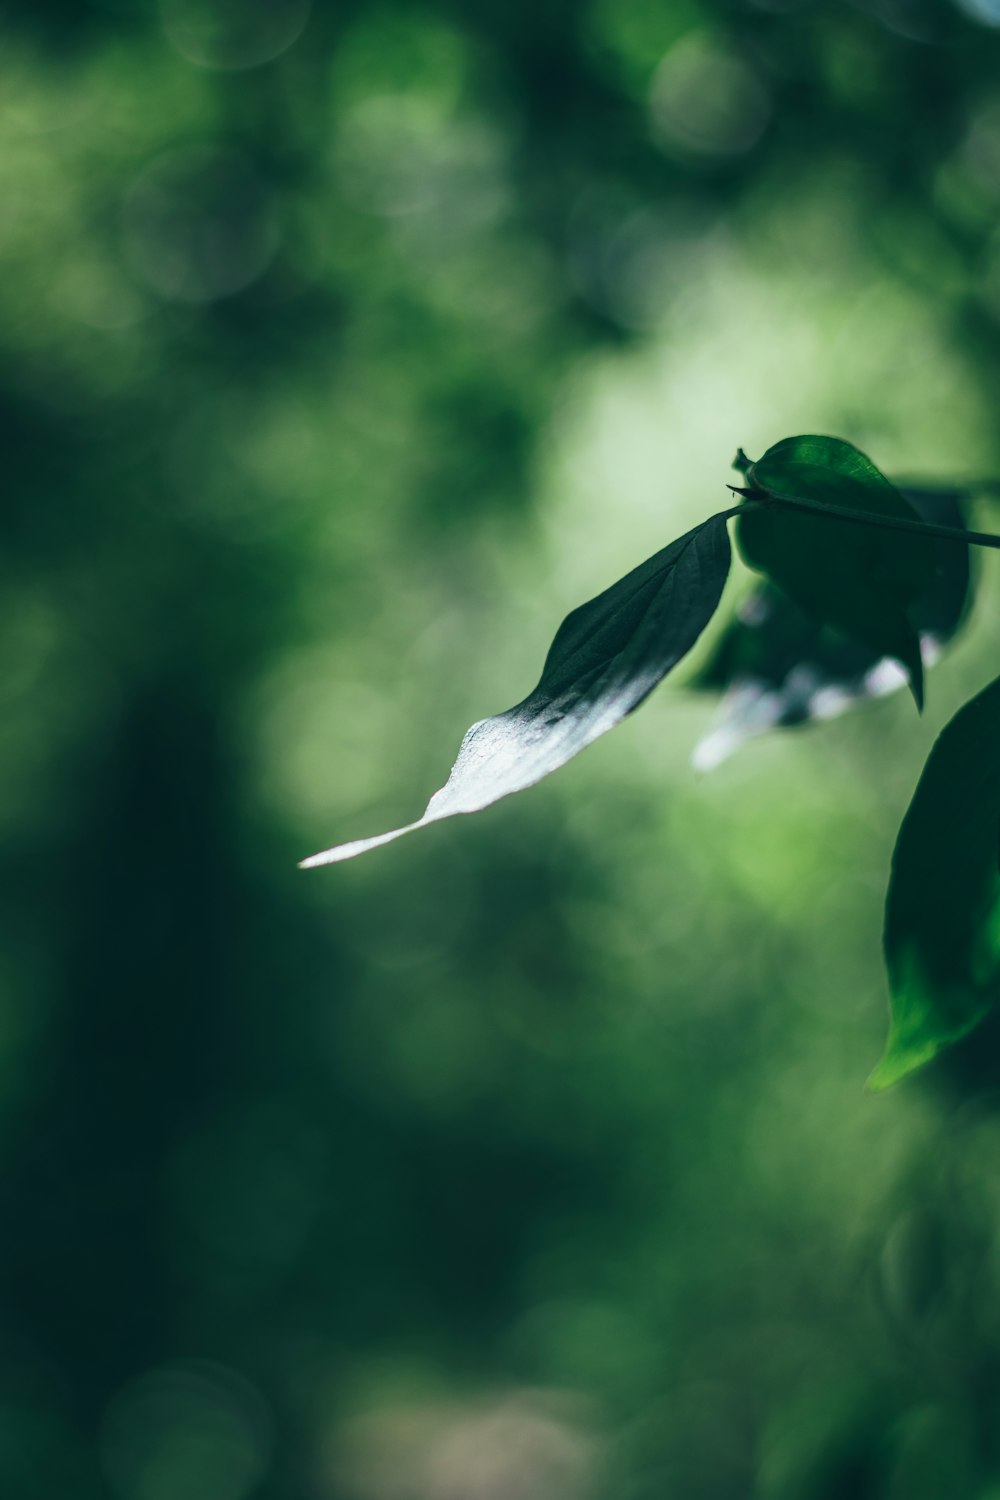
{"x": 856, "y": 578}
{"x": 527, "y": 1157}
{"x": 863, "y": 579}
{"x": 942, "y": 919}
{"x": 605, "y": 660}
{"x": 779, "y": 667}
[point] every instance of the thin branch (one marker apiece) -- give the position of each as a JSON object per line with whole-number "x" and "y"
{"x": 866, "y": 518}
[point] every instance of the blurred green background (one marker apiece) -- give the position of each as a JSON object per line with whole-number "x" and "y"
{"x": 344, "y": 348}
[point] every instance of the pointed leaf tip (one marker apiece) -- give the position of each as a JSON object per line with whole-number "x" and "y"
{"x": 897, "y": 1062}
{"x": 605, "y": 660}
{"x": 340, "y": 852}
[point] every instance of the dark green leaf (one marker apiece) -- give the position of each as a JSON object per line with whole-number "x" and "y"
{"x": 942, "y": 924}
{"x": 941, "y": 610}
{"x": 607, "y": 657}
{"x": 780, "y": 667}
{"x": 857, "y": 578}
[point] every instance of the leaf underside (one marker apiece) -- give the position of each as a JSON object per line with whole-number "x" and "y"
{"x": 859, "y": 580}
{"x": 779, "y": 667}
{"x": 606, "y": 658}
{"x": 942, "y": 924}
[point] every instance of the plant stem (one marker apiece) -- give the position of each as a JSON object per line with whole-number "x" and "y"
{"x": 759, "y": 497}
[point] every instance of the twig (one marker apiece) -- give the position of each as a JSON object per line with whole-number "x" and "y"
{"x": 865, "y": 517}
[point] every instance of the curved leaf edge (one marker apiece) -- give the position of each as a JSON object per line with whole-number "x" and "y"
{"x": 910, "y": 1046}
{"x": 605, "y": 659}
{"x": 904, "y": 1056}
{"x": 887, "y": 499}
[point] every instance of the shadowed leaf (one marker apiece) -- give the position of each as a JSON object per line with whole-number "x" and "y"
{"x": 942, "y": 923}
{"x": 778, "y": 667}
{"x": 607, "y": 656}
{"x": 855, "y": 578}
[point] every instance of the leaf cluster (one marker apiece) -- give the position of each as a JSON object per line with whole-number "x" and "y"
{"x": 863, "y": 583}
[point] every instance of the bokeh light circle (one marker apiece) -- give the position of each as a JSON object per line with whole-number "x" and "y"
{"x": 198, "y": 1430}
{"x": 706, "y": 100}
{"x": 233, "y": 34}
{"x": 198, "y": 224}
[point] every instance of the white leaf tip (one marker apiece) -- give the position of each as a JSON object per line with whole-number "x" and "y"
{"x": 315, "y": 860}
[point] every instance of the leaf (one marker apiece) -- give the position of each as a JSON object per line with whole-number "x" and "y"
{"x": 857, "y": 578}
{"x": 942, "y": 920}
{"x": 779, "y": 667}
{"x": 606, "y": 658}
{"x": 942, "y": 609}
